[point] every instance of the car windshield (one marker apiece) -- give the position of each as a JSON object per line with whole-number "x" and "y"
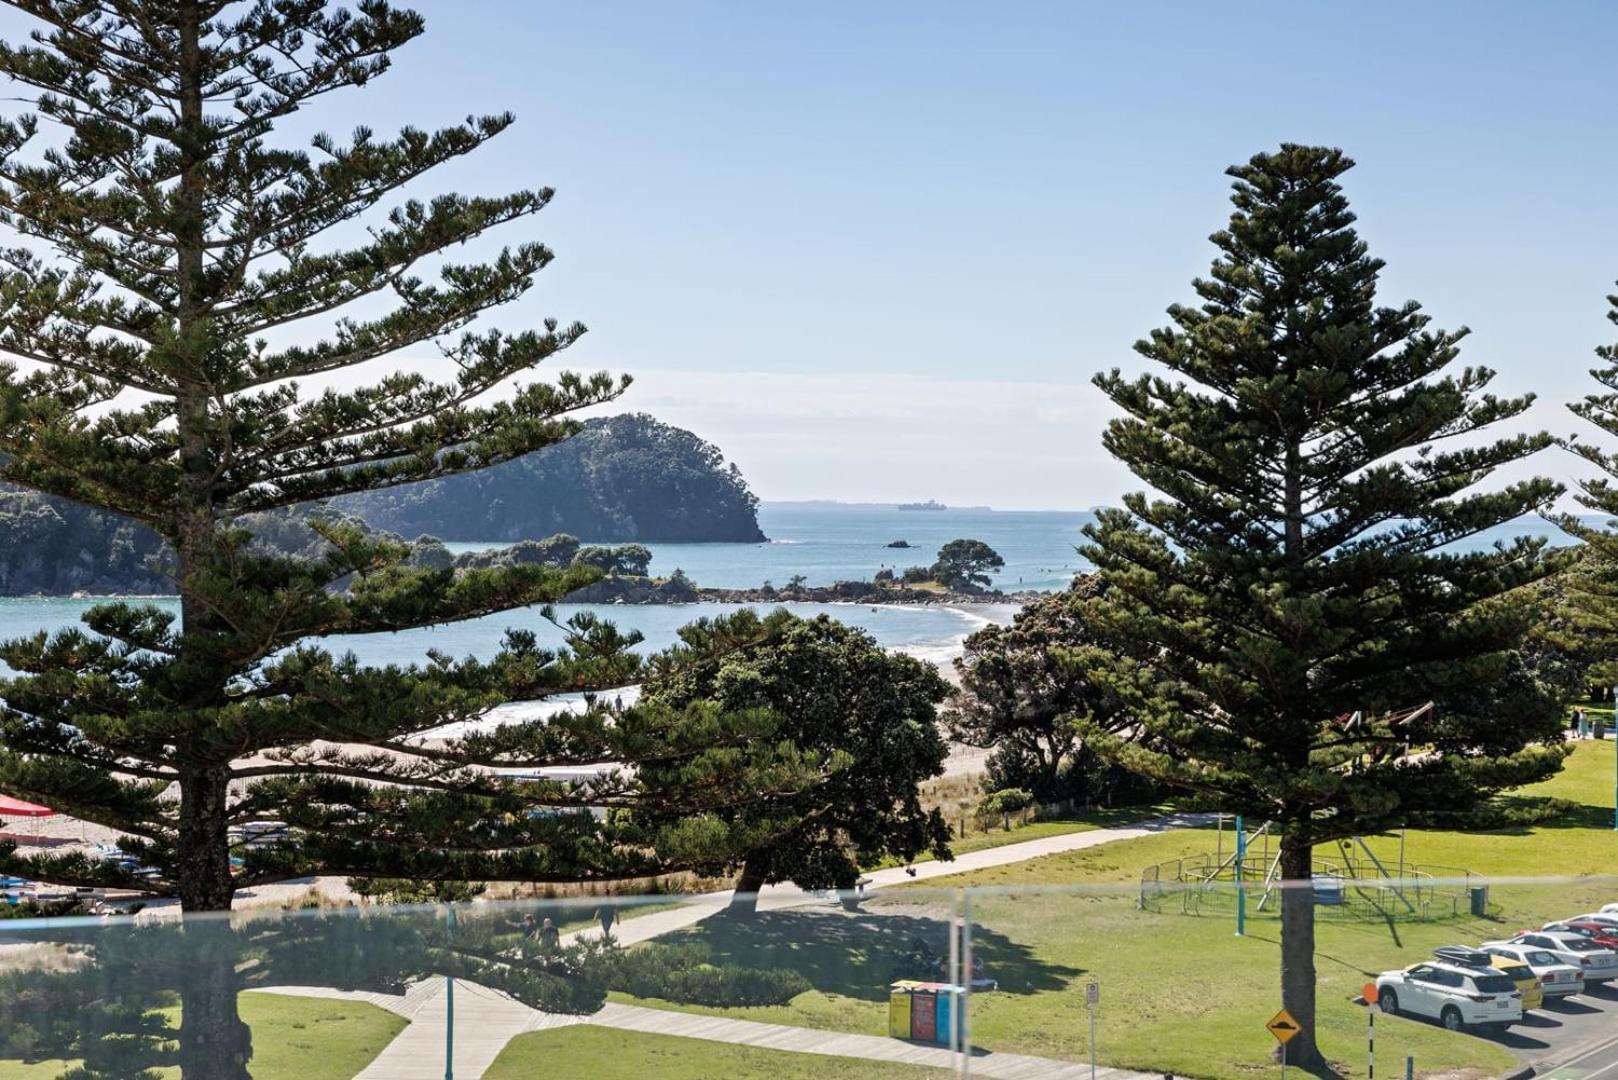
{"x": 1544, "y": 959}
{"x": 1516, "y": 971}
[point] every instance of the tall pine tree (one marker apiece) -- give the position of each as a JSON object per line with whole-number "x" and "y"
{"x": 177, "y": 270}
{"x": 1294, "y": 567}
{"x": 1588, "y": 615}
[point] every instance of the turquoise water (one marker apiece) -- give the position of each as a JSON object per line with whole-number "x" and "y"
{"x": 928, "y": 632}
{"x": 827, "y": 543}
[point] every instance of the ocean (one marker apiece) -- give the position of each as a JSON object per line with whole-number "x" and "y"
{"x": 825, "y": 542}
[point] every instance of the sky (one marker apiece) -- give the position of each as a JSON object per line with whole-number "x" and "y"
{"x": 875, "y": 252}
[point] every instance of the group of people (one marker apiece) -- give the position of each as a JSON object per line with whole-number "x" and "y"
{"x": 1584, "y": 726}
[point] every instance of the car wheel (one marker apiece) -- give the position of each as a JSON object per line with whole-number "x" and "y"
{"x": 1452, "y": 1018}
{"x": 1388, "y": 1002}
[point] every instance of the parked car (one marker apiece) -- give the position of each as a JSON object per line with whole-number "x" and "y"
{"x": 1609, "y": 919}
{"x": 1558, "y": 977}
{"x": 1521, "y": 976}
{"x": 1455, "y": 995}
{"x": 1599, "y": 965}
{"x": 1600, "y": 933}
{"x": 1609, "y": 909}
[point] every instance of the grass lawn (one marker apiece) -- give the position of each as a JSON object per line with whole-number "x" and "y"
{"x": 1077, "y": 822}
{"x": 1179, "y": 991}
{"x": 293, "y": 1039}
{"x": 592, "y": 1053}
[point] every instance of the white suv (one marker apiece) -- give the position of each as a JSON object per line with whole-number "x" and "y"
{"x": 1454, "y": 995}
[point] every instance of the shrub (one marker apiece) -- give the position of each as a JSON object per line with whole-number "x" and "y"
{"x": 685, "y": 975}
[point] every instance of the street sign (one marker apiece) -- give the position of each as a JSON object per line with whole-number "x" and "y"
{"x": 1369, "y": 993}
{"x": 1283, "y": 1027}
{"x": 1092, "y": 994}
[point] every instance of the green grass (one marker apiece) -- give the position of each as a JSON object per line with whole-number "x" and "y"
{"x": 1077, "y": 822}
{"x": 592, "y": 1053}
{"x": 293, "y": 1039}
{"x": 1180, "y": 992}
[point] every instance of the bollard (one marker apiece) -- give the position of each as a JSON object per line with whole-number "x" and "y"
{"x": 1410, "y": 1068}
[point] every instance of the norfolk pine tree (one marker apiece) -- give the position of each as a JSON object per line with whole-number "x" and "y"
{"x": 1588, "y": 615}
{"x": 1289, "y": 573}
{"x": 178, "y": 270}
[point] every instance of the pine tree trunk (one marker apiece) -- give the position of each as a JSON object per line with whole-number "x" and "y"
{"x": 214, "y": 1042}
{"x": 745, "y": 900}
{"x": 1298, "y": 945}
{"x": 203, "y": 849}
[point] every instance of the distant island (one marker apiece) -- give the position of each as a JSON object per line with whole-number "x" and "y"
{"x": 930, "y": 504}
{"x": 625, "y": 478}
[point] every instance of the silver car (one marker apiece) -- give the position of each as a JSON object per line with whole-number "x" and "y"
{"x": 1599, "y": 963}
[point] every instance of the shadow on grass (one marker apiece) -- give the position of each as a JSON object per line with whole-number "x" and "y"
{"x": 858, "y": 954}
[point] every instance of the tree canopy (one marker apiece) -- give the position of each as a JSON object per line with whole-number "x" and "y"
{"x": 1287, "y": 619}
{"x": 965, "y": 564}
{"x": 840, "y": 695}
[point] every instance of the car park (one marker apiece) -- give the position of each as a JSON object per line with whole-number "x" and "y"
{"x": 1455, "y": 995}
{"x": 1599, "y": 964}
{"x": 1521, "y": 976}
{"x": 1557, "y": 977}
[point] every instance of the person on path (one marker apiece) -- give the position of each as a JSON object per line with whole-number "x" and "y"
{"x": 550, "y": 939}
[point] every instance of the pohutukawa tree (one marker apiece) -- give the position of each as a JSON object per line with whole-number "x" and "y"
{"x": 1313, "y": 465}
{"x": 177, "y": 270}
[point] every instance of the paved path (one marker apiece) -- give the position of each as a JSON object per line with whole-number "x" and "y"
{"x": 694, "y": 909}
{"x": 485, "y": 1020}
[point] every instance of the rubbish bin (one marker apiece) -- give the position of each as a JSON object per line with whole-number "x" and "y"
{"x": 950, "y": 1002}
{"x": 1479, "y": 896}
{"x": 923, "y": 1015}
{"x": 899, "y": 1008}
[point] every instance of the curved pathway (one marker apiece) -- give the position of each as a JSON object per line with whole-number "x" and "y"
{"x": 486, "y": 1020}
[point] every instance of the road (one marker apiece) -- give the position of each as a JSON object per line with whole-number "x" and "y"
{"x": 1575, "y": 1038}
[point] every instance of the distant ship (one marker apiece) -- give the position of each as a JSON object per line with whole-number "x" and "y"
{"x": 930, "y": 504}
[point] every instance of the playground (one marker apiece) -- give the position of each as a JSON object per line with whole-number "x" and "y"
{"x": 1242, "y": 877}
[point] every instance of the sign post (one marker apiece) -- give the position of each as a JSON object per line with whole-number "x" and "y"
{"x": 1370, "y": 996}
{"x": 1285, "y": 1029}
{"x": 1092, "y": 998}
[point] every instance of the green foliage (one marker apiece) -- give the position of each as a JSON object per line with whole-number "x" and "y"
{"x": 965, "y": 564}
{"x": 1005, "y": 801}
{"x": 686, "y": 975}
{"x": 1019, "y": 697}
{"x": 199, "y": 276}
{"x": 1291, "y": 592}
{"x": 627, "y": 477}
{"x": 629, "y": 560}
{"x": 836, "y": 692}
{"x": 402, "y": 891}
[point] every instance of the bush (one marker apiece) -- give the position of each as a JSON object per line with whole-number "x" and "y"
{"x": 685, "y": 975}
{"x": 1005, "y": 801}
{"x": 1085, "y": 779}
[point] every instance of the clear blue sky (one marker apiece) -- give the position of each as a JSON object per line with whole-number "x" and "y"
{"x": 875, "y": 251}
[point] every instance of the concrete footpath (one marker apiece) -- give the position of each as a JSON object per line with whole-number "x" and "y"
{"x": 486, "y": 1020}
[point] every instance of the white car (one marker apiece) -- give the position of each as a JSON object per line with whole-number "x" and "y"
{"x": 1609, "y": 909}
{"x": 1600, "y": 964}
{"x": 1453, "y": 995}
{"x": 1559, "y": 979}
{"x": 1609, "y": 919}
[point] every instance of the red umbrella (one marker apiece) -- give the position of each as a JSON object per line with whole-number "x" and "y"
{"x": 10, "y": 807}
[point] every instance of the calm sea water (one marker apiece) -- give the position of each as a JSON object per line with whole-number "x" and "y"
{"x": 823, "y": 542}
{"x": 828, "y": 542}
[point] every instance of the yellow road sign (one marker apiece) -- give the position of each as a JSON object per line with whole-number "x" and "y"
{"x": 1283, "y": 1027}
